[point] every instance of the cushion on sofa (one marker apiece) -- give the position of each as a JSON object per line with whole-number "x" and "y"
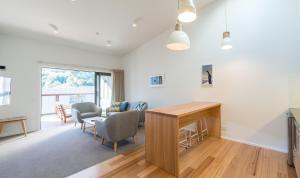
{"x": 89, "y": 114}
{"x": 141, "y": 106}
{"x": 115, "y": 107}
{"x": 123, "y": 106}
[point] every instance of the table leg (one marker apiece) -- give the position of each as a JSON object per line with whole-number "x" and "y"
{"x": 24, "y": 127}
{"x": 1, "y": 127}
{"x": 84, "y": 127}
{"x": 95, "y": 132}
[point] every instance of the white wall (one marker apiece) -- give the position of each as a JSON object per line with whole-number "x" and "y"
{"x": 20, "y": 56}
{"x": 294, "y": 91}
{"x": 251, "y": 80}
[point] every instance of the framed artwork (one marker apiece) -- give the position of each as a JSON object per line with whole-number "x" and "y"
{"x": 156, "y": 80}
{"x": 207, "y": 75}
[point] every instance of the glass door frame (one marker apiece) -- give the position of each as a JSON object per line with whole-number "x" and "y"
{"x": 98, "y": 86}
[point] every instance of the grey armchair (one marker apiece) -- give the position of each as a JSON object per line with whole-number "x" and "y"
{"x": 85, "y": 110}
{"x": 118, "y": 127}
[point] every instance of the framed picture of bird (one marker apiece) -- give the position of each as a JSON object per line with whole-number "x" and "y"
{"x": 207, "y": 75}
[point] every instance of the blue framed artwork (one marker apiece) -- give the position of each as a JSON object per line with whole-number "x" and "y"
{"x": 156, "y": 80}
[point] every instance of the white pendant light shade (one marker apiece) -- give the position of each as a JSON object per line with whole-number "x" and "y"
{"x": 187, "y": 11}
{"x": 178, "y": 39}
{"x": 226, "y": 42}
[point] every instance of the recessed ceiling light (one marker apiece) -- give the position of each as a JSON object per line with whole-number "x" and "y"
{"x": 135, "y": 22}
{"x": 97, "y": 33}
{"x": 73, "y": 0}
{"x": 108, "y": 43}
{"x": 54, "y": 28}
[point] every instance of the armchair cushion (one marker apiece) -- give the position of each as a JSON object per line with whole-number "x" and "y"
{"x": 89, "y": 114}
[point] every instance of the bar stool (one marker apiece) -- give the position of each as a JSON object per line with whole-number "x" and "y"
{"x": 204, "y": 130}
{"x": 184, "y": 139}
{"x": 192, "y": 131}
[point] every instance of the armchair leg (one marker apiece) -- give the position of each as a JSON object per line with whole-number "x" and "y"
{"x": 75, "y": 124}
{"x": 133, "y": 139}
{"x": 81, "y": 126}
{"x": 102, "y": 142}
{"x": 115, "y": 146}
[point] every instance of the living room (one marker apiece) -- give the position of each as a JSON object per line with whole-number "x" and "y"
{"x": 251, "y": 87}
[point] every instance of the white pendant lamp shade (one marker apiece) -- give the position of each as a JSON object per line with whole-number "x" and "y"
{"x": 226, "y": 42}
{"x": 187, "y": 11}
{"x": 178, "y": 39}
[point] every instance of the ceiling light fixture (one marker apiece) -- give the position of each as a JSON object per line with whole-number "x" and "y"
{"x": 186, "y": 11}
{"x": 226, "y": 41}
{"x": 135, "y": 22}
{"x": 54, "y": 28}
{"x": 178, "y": 39}
{"x": 108, "y": 43}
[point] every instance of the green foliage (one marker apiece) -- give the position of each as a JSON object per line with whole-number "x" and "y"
{"x": 57, "y": 78}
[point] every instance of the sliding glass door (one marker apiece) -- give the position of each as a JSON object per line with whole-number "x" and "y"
{"x": 103, "y": 89}
{"x": 68, "y": 87}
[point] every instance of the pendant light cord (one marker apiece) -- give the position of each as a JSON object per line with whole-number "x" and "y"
{"x": 226, "y": 16}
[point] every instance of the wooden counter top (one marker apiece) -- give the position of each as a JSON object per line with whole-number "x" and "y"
{"x": 184, "y": 109}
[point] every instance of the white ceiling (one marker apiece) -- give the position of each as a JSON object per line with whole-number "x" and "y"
{"x": 79, "y": 21}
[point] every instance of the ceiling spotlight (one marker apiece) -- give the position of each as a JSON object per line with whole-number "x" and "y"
{"x": 108, "y": 43}
{"x": 135, "y": 22}
{"x": 97, "y": 33}
{"x": 54, "y": 28}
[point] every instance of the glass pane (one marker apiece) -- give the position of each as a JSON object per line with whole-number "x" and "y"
{"x": 105, "y": 91}
{"x": 5, "y": 91}
{"x": 66, "y": 87}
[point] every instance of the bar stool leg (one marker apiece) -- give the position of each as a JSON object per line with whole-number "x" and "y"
{"x": 206, "y": 128}
{"x": 201, "y": 125}
{"x": 198, "y": 139}
{"x": 190, "y": 138}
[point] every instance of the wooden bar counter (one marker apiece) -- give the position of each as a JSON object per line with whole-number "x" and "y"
{"x": 162, "y": 131}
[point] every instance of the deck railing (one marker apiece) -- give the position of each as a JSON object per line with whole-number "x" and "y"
{"x": 49, "y": 100}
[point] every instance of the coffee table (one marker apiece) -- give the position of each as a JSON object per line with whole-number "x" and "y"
{"x": 92, "y": 122}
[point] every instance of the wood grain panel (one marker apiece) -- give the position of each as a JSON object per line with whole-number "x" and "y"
{"x": 161, "y": 141}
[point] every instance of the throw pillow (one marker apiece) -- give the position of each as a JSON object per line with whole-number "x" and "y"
{"x": 115, "y": 107}
{"x": 140, "y": 106}
{"x": 123, "y": 106}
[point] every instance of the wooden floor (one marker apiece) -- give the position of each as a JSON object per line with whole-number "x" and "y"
{"x": 210, "y": 158}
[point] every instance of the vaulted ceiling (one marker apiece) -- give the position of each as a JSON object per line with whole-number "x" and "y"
{"x": 90, "y": 23}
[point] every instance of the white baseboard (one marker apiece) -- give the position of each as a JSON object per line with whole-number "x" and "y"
{"x": 255, "y": 144}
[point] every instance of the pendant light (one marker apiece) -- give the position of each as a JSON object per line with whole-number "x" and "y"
{"x": 226, "y": 41}
{"x": 178, "y": 39}
{"x": 186, "y": 11}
